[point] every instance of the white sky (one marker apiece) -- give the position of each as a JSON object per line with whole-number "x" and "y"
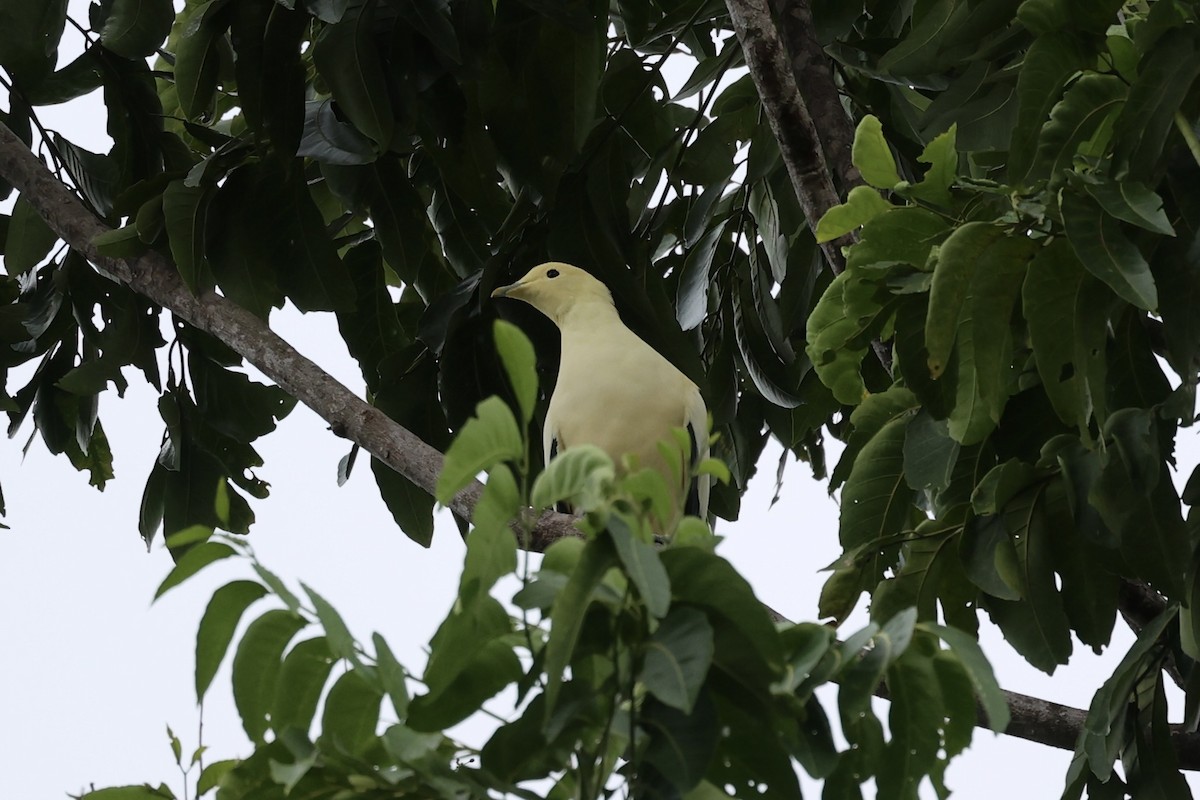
{"x": 94, "y": 672}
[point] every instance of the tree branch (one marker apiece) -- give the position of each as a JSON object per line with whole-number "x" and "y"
{"x": 811, "y": 69}
{"x": 155, "y": 277}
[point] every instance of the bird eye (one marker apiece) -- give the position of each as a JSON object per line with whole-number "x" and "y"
{"x": 553, "y": 273}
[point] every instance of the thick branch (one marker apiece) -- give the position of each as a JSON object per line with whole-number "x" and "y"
{"x": 793, "y": 126}
{"x": 153, "y": 276}
{"x": 811, "y": 69}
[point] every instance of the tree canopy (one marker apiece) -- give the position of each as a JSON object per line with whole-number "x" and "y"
{"x": 959, "y": 236}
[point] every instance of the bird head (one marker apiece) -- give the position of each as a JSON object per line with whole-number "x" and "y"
{"x": 554, "y": 288}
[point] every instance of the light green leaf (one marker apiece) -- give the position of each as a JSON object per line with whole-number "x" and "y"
{"x": 143, "y": 792}
{"x": 642, "y": 565}
{"x": 491, "y": 545}
{"x": 210, "y": 778}
{"x": 302, "y": 679}
{"x": 1106, "y": 252}
{"x": 839, "y": 331}
{"x": 957, "y": 260}
{"x": 677, "y": 658}
{"x": 341, "y": 642}
{"x": 351, "y": 714}
{"x": 576, "y": 475}
{"x": 520, "y": 364}
{"x": 566, "y": 616}
{"x": 392, "y": 675}
{"x": 862, "y": 205}
{"x": 872, "y": 155}
{"x": 256, "y": 666}
{"x": 941, "y": 154}
{"x": 194, "y": 560}
{"x": 488, "y": 438}
{"x": 217, "y": 627}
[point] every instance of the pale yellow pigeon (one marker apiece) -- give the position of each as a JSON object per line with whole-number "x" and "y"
{"x": 614, "y": 390}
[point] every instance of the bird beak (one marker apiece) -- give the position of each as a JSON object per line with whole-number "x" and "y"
{"x": 506, "y": 291}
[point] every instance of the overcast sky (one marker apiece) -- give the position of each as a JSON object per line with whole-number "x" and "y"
{"x": 94, "y": 672}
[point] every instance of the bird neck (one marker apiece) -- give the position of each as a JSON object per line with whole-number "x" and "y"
{"x": 587, "y": 317}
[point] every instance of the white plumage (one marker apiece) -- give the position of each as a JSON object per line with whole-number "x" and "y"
{"x": 614, "y": 390}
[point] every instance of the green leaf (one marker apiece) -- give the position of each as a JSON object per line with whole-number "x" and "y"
{"x": 876, "y": 499}
{"x": 410, "y": 505}
{"x": 212, "y": 774}
{"x": 1089, "y": 102}
{"x": 490, "y": 669}
{"x": 302, "y": 678}
{"x": 914, "y": 718}
{"x": 643, "y": 567}
{"x": 957, "y": 260}
{"x": 392, "y": 675}
{"x": 197, "y": 59}
{"x": 491, "y": 546}
{"x": 488, "y": 438}
{"x": 194, "y": 560}
{"x": 1067, "y": 313}
{"x": 941, "y": 154}
{"x": 29, "y": 238}
{"x": 840, "y": 328}
{"x": 348, "y": 60}
{"x": 278, "y": 587}
{"x": 566, "y": 616}
{"x": 1132, "y": 202}
{"x": 143, "y": 792}
{"x": 929, "y": 452}
{"x": 577, "y": 475}
{"x": 1106, "y": 252}
{"x": 677, "y": 658}
{"x": 862, "y": 205}
{"x": 217, "y": 627}
{"x": 873, "y": 157}
{"x": 1165, "y": 75}
{"x": 185, "y": 209}
{"x": 970, "y": 656}
{"x": 29, "y": 35}
{"x": 341, "y": 642}
{"x": 120, "y": 243}
{"x": 351, "y": 714}
{"x": 135, "y": 28}
{"x": 520, "y": 364}
{"x": 1049, "y": 63}
{"x": 691, "y": 300}
{"x": 256, "y": 667}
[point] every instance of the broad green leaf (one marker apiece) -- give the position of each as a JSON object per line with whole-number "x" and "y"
{"x": 941, "y": 154}
{"x": 410, "y": 505}
{"x": 341, "y": 642}
{"x": 966, "y": 649}
{"x": 217, "y": 627}
{"x": 135, "y": 28}
{"x": 488, "y": 438}
{"x": 677, "y": 658}
{"x": 914, "y": 717}
{"x": 566, "y": 617}
{"x": 185, "y": 209}
{"x": 866, "y": 420}
{"x": 1165, "y": 75}
{"x": 929, "y": 452}
{"x": 194, "y": 560}
{"x": 143, "y": 792}
{"x": 904, "y": 235}
{"x": 1049, "y": 63}
{"x": 1106, "y": 252}
{"x": 351, "y": 714}
{"x": 212, "y": 774}
{"x": 957, "y": 260}
{"x": 490, "y": 668}
{"x": 872, "y": 154}
{"x": 347, "y": 57}
{"x": 197, "y": 59}
{"x": 642, "y": 565}
{"x": 256, "y": 667}
{"x": 1088, "y": 103}
{"x": 392, "y": 675}
{"x": 577, "y": 475}
{"x": 520, "y": 364}
{"x": 29, "y": 35}
{"x": 839, "y": 331}
{"x": 876, "y": 500}
{"x": 681, "y": 746}
{"x": 862, "y": 205}
{"x": 29, "y": 238}
{"x": 1132, "y": 202}
{"x": 491, "y": 545}
{"x": 302, "y": 679}
{"x": 1067, "y": 313}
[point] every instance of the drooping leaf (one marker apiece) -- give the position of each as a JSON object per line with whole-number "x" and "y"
{"x": 217, "y": 627}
